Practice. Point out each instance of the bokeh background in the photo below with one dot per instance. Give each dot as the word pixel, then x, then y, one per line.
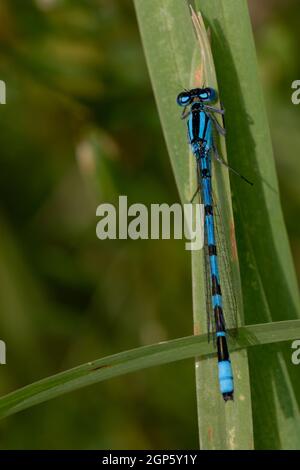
pixel 79 128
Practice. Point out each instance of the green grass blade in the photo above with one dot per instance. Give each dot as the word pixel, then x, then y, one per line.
pixel 169 44
pixel 176 61
pixel 220 427
pixel 137 359
pixel 269 285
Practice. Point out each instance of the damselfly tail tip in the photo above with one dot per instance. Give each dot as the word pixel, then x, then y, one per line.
pixel 228 396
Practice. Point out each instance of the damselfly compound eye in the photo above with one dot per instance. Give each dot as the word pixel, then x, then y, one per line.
pixel 184 98
pixel 211 95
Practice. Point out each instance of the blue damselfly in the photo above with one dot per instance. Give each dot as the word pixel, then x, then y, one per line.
pixel 200 112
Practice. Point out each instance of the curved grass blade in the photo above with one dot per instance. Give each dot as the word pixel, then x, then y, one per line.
pixel 137 359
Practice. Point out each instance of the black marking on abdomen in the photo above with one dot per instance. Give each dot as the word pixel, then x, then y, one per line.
pixel 208 209
pixel 215 286
pixel 205 173
pixel 212 250
pixel 219 318
pixel 222 349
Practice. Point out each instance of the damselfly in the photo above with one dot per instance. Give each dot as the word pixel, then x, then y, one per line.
pixel 200 112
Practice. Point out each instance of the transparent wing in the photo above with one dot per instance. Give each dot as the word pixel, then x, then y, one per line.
pixel 230 307
pixel 207 277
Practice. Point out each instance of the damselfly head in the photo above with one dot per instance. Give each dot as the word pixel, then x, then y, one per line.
pixel 204 95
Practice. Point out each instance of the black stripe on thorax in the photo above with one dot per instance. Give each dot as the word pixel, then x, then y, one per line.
pixel 205 128
pixel 195 125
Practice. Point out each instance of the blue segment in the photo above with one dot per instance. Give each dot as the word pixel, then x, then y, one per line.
pixel 217 300
pixel 210 231
pixel 206 192
pixel 220 333
pixel 190 129
pixel 225 377
pixel 205 129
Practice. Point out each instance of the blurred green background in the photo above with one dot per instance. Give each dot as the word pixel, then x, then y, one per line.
pixel 79 128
